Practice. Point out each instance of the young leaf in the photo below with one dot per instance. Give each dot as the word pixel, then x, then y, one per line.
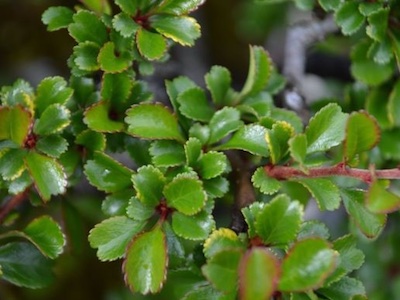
pixel 192 151
pixel 112 236
pixel 116 203
pixel 183 30
pixel 362 134
pixel 326 129
pixel 116 88
pixel 149 183
pixel 97 118
pixel 12 163
pixel 111 60
pixel 153 121
pixel 14 124
pixel 91 140
pixel 53 120
pixel 125 25
pixel 107 174
pixel 264 183
pixel 151 45
pixel 346 288
pixel 250 138
pixel 85 56
pixel 138 210
pixel 224 122
pixel 196 227
pixel 128 6
pixel 88 27
pixel 307 264
pixel 52 90
pixel 250 214
pixel 349 18
pixel 193 104
pixel 216 187
pixel 167 153
pixel 186 194
pixel 98 6
pixel 57 17
pixel 178 7
pixel 312 229
pixel 47 173
pixel 146 261
pixel 379 199
pixel 323 190
pixel 212 164
pixel 298 148
pixel 258 274
pixel 218 82
pixel 220 240
pixel 378 23
pixel 277 139
pixel 279 221
pixel 393 106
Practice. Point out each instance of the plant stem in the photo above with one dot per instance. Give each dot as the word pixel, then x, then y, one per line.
pixel 285 172
pixel 11 204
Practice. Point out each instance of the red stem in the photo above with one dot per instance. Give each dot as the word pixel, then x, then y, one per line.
pixel 284 172
pixel 11 204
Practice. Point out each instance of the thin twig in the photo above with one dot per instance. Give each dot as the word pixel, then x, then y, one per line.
pixel 11 204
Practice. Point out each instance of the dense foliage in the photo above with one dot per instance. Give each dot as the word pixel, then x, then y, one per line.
pixel 210 144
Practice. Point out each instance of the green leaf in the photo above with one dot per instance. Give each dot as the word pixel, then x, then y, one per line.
pixel 179 7
pixel 346 288
pixel 116 204
pixel 306 265
pixel 379 199
pixel 149 183
pixel 146 261
pixel 207 292
pixel 250 138
pixel 112 236
pixel 183 29
pixel 85 56
pixel 88 27
pixel 151 45
pixel 330 4
pixel 14 124
pixel 57 17
pixel 218 82
pixel 97 117
pixel 186 194
pixel 125 25
pixel 377 105
pixel 362 134
pixel 279 221
pixel 113 61
pixel 222 270
pixel 23 265
pixel 325 192
pixel 153 121
pixel 369 223
pixel 52 90
pixel 167 153
pixel 53 145
pixel 128 6
pixel 250 214
pixel 193 104
pixel 12 163
pixel 393 106
pixel 368 8
pixel 138 210
pixel 221 240
pixel 193 151
pixel 378 23
pixel 224 122
pixel 53 120
pixel 281 114
pixel 326 129
pixel 20 184
pixel 258 274
pixel 212 164
pixel 277 140
pixel 298 148
pixel 196 227
pixel 264 183
pixel 200 132
pixel 98 6
pixel 107 174
pixel 305 4
pixel 381 52
pixel 91 140
pixel 366 70
pixel 216 187
pixel 312 229
pixel 260 69
pixel 116 88
pixel 349 18
pixel 47 173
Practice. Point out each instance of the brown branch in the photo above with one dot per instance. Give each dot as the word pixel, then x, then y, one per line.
pixel 11 204
pixel 285 172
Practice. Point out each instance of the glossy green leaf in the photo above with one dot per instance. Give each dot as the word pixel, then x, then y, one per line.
pixel 166 153
pixel 250 138
pixel 281 114
pixel 98 118
pixel 91 140
pixel 149 183
pixel 264 183
pixel 52 90
pixel 258 274
pixel 207 292
pixel 259 71
pixel 196 227
pixel 125 25
pixel 116 88
pixel 279 221
pixel 57 17
pixel 116 203
pixel 381 52
pixel 53 120
pixel 98 6
pixel 128 6
pixel 393 107
pixel 325 192
pixel 193 151
pixel 186 194
pixel 349 18
pixel 326 129
pixel 194 105
pixel 216 187
pixel 218 82
pixel 379 199
pixel 138 210
pixel 306 265
pixel 177 86
pixel 23 265
pixel 14 124
pixel 378 23
pixel 277 139
pixel 183 30
pixel 346 288
pixel 369 223
pixel 366 70
pixel 20 184
pixel 112 236
pixel 298 148
pixel 362 134
pixel 107 174
pixel 146 261
pixel 330 4
pixel 250 214
pixel 153 121
pixel 367 8
pixel 312 229
pixel 12 163
pixel 88 27
pixel 113 61
pixel 200 132
pixel 222 270
pixel 179 7
pixel 53 145
pixel 151 45
pixel 47 173
pixel 85 56
pixel 224 122
pixel 220 240
pixel 212 164
pixel 305 4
